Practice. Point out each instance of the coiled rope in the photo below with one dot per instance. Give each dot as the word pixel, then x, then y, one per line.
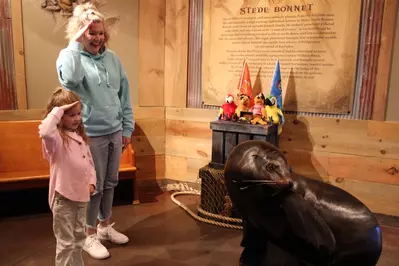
pixel 202 219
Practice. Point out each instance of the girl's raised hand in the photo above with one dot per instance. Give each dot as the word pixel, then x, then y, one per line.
pixel 68 106
pixel 79 34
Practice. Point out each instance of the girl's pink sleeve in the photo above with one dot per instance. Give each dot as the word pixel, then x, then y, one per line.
pixel 93 177
pixel 48 130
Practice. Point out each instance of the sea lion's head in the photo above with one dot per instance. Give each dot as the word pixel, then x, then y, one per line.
pixel 255 171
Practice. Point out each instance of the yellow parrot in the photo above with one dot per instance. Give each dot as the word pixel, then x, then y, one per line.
pixel 274 114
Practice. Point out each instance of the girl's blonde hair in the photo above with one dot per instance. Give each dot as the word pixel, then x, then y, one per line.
pixel 59 98
pixel 81 15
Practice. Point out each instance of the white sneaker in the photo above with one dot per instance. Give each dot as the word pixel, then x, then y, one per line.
pixel 109 233
pixel 94 248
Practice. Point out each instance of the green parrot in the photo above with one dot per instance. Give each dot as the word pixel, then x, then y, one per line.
pixel 273 113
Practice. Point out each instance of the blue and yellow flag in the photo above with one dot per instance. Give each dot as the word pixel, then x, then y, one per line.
pixel 276 86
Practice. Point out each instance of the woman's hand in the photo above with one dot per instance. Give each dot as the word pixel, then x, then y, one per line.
pixel 68 106
pixel 92 189
pixel 78 36
pixel 125 142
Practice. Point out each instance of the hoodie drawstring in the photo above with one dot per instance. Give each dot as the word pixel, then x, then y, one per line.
pixel 98 72
pixel 106 74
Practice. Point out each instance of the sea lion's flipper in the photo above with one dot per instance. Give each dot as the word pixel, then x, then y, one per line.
pixel 306 222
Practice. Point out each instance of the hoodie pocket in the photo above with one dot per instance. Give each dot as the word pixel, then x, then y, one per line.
pixel 120 113
pixel 104 115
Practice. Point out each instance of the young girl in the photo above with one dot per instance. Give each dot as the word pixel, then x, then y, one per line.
pixel 72 174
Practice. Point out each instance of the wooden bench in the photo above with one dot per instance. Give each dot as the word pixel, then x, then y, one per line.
pixel 22 164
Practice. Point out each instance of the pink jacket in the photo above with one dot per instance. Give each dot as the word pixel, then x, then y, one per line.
pixel 71 166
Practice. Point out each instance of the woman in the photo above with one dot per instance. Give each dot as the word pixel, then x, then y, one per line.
pixel 95 73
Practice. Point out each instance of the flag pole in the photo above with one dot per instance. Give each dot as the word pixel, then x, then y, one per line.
pixel 242 76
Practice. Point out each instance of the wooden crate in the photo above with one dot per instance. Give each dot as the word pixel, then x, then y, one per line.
pixel 226 135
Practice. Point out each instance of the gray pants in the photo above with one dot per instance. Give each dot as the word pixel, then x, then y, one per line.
pixel 106 152
pixel 68 226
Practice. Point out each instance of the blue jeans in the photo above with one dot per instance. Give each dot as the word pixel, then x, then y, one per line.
pixel 106 152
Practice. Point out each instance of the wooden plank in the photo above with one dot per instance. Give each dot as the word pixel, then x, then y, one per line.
pixel 363 168
pixel 218 155
pixel 22 115
pixel 306 163
pixel 243 137
pixel 191 114
pixel 229 143
pixel 344 144
pixel 379 197
pixel 42 174
pixel 337 136
pixel 19 53
pixel 188 129
pixel 150 167
pixel 148 112
pixel 149 137
pixel 183 168
pixel 188 147
pixel 383 130
pixel 293 123
pixel 385 59
pixel 139 113
pixel 350 145
pixel 234 127
pixel 149 127
pixel 307 124
pixel 151 53
pixel 148 145
pixel 194 129
pixel 176 48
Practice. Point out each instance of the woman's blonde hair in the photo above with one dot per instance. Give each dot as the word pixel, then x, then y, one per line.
pixel 59 98
pixel 81 15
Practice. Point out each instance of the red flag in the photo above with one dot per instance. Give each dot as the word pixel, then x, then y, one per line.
pixel 245 86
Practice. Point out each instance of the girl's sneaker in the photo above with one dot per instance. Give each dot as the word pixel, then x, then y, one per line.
pixel 94 248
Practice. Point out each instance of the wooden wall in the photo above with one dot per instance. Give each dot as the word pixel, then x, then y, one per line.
pixel 149 143
pixel 149 135
pixel 359 156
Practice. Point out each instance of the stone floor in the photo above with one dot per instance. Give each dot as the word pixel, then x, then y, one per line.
pixel 161 234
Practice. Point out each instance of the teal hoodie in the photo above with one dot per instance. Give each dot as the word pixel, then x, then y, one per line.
pixel 103 87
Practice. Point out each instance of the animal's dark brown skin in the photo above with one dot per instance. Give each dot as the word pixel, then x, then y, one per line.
pixel 317 223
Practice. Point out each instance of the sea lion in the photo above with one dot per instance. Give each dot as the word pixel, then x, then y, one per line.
pixel 311 221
